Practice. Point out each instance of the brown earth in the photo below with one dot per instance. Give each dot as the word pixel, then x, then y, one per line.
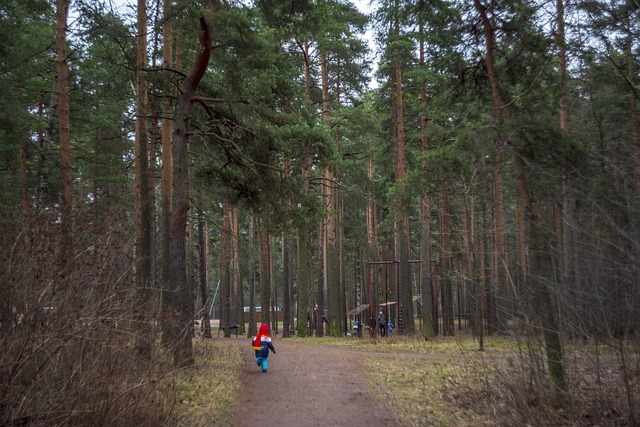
pixel 307 385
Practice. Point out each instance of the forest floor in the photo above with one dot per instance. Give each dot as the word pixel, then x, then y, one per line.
pixel 308 385
pixel 403 381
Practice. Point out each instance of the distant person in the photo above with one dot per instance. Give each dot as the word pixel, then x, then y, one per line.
pixel 356 328
pixel 382 323
pixel 390 327
pixel 262 344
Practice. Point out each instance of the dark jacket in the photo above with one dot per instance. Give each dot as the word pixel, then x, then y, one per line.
pixel 265 346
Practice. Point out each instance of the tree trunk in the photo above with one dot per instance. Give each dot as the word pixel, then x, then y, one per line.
pixel 204 276
pixel 167 167
pixel 405 285
pixel 499 262
pixel 66 205
pixel 332 254
pixel 253 328
pixel 177 279
pixel 236 289
pixel 154 138
pixel 425 204
pixel 569 271
pixel 142 208
pixel 304 280
pixel 287 282
pixel 265 276
pixel 225 273
pixel 304 236
pixel 322 290
pixel 540 261
pixel 539 282
pixel 448 327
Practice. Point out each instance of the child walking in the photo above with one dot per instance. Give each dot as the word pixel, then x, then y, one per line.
pixel 262 344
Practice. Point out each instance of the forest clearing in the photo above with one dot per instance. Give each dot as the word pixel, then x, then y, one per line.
pixel 435 206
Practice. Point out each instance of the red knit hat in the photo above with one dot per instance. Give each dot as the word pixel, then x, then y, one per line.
pixel 264 331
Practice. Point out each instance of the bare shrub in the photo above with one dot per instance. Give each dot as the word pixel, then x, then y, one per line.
pixel 518 392
pixel 71 342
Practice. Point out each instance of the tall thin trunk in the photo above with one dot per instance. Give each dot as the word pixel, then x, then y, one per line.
pixel 322 289
pixel 287 282
pixel 304 280
pixel 66 205
pixel 167 163
pixel 154 138
pixel 448 327
pixel 273 295
pixel 425 204
pixel 287 266
pixel 304 236
pixel 372 240
pixel 142 209
pixel 332 254
pixel 177 280
pixel 253 328
pixel 204 276
pixel 568 197
pixel 529 204
pixel 143 233
pixel 265 274
pixel 405 285
pixel 236 290
pixel 372 252
pixel 24 192
pixel 225 273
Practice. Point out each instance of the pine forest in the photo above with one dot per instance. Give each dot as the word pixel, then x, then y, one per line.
pixel 175 170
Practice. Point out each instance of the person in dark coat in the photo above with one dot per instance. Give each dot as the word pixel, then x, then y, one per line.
pixel 261 345
pixel 382 323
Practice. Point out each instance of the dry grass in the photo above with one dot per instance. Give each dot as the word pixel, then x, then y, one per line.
pixel 462 345
pixel 207 391
pixel 448 382
pixel 430 392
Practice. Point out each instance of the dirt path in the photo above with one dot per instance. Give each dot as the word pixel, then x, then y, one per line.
pixel 307 385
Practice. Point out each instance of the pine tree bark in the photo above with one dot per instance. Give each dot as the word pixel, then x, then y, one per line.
pixel 568 195
pixel 142 208
pixel 448 327
pixel 499 260
pixel 225 273
pixel 304 236
pixel 167 166
pixel 236 308
pixel 425 203
pixel 66 205
pixel 204 274
pixel 330 241
pixel 253 327
pixel 405 285
pixel 265 274
pixel 177 279
pixel 288 284
pixel 528 203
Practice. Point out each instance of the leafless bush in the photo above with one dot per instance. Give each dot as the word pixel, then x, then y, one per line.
pixel 600 386
pixel 70 341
